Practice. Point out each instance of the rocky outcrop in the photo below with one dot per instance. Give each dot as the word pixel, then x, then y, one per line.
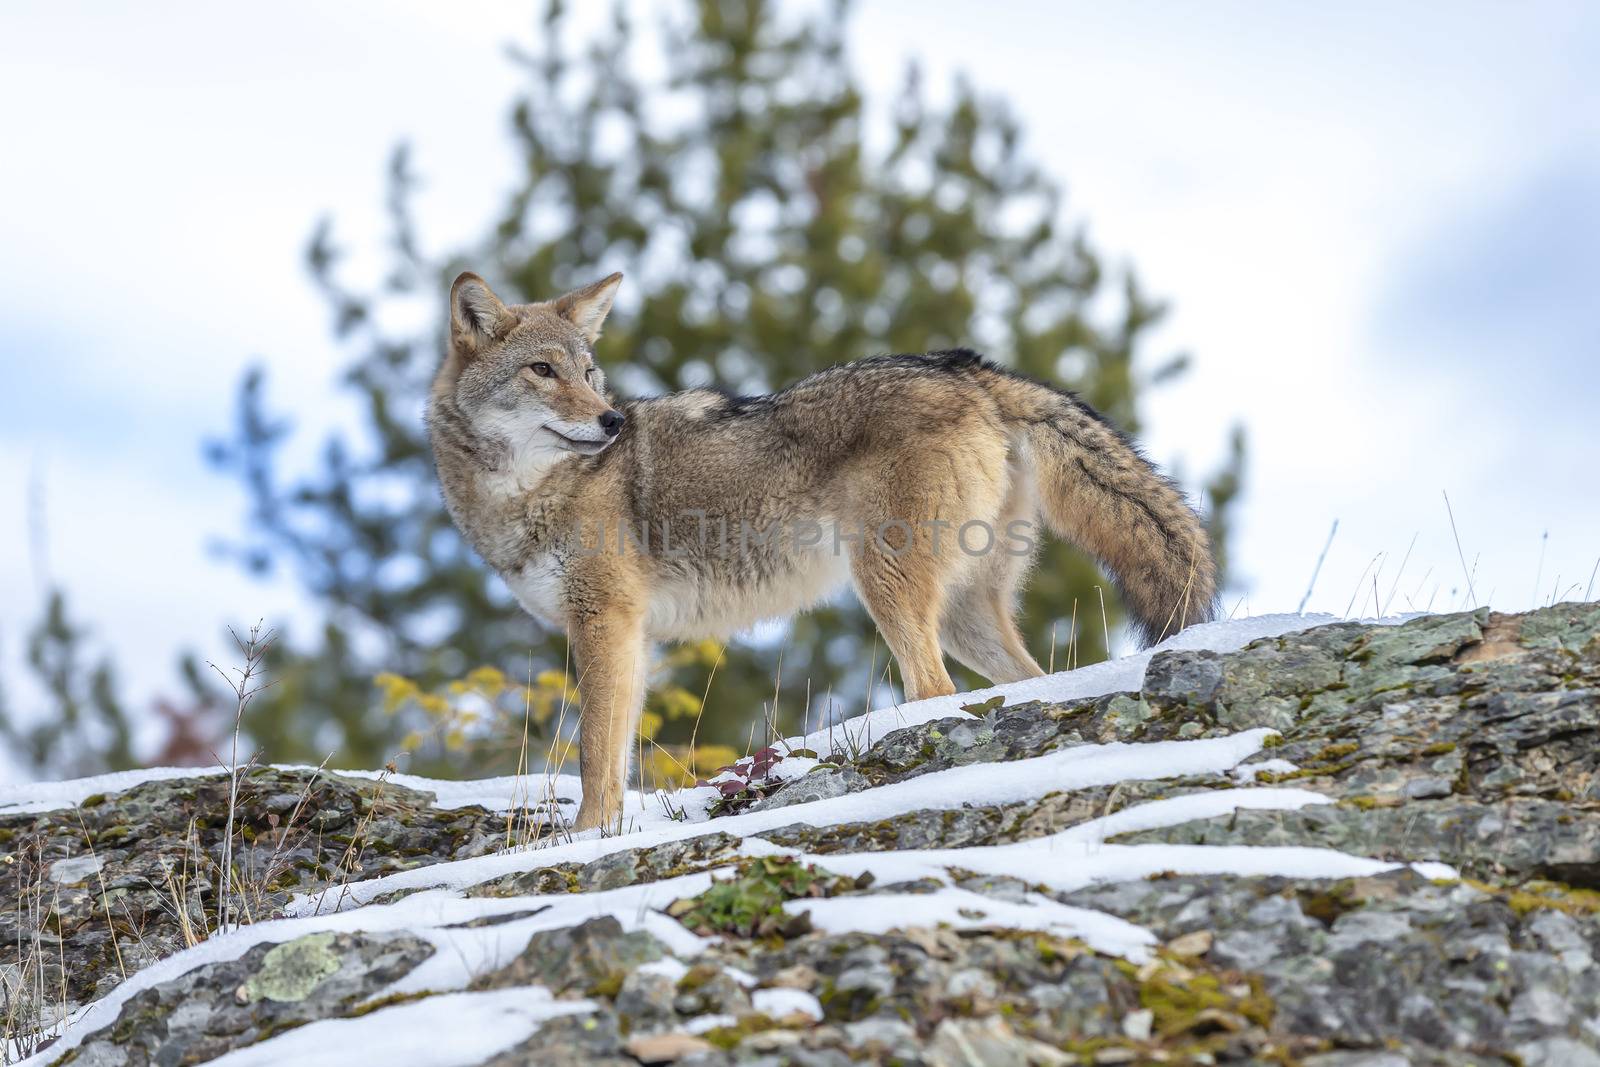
pixel 98 891
pixel 1467 740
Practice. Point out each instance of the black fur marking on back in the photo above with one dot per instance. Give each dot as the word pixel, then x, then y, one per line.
pixel 736 406
pixel 952 361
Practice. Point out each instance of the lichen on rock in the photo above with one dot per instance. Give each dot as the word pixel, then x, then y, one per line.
pixel 1471 740
pixel 292 971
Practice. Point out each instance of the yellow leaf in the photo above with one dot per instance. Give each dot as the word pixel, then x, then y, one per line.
pixel 412 741
pixel 489 681
pixel 649 724
pixel 678 703
pixel 707 758
pixel 396 690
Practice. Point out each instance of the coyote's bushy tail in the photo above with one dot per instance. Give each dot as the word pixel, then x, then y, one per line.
pixel 1099 493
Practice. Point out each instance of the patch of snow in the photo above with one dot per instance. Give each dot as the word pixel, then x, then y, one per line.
pixel 1174 810
pixel 506 793
pixel 1079 767
pixel 701 1023
pixel 669 967
pixel 510 792
pixel 756 847
pixel 778 1003
pixel 1138 1025
pixel 1246 774
pixel 47 796
pixel 961 909
pixel 448 1030
pixel 465 952
pixel 741 978
pixel 1097 679
pixel 792 767
pixel 1063 863
pixel 462 952
pixel 497 794
pixel 437 909
pixel 1436 872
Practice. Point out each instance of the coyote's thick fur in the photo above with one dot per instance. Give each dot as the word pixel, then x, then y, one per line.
pixel 913 479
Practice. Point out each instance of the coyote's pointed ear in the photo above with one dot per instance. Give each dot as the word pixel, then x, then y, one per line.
pixel 476 315
pixel 586 308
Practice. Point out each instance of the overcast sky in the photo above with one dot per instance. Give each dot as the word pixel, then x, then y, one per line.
pixel 1379 225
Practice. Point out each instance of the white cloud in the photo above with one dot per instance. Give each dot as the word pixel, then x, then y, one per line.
pixel 1277 172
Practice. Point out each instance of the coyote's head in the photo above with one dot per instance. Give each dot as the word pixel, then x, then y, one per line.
pixel 523 376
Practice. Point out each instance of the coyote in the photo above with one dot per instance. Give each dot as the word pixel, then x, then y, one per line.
pixel 597 514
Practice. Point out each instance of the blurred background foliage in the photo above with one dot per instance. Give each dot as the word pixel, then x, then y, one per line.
pixel 87 728
pixel 770 221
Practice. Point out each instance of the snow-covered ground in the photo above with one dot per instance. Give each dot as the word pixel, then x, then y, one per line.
pixel 507 793
pixel 436 906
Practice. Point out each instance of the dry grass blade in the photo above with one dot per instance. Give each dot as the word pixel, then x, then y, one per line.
pixel 105 903
pixel 1395 585
pixel 1072 638
pixel 274 865
pixel 1456 534
pixel 1179 612
pixel 23 1003
pixel 1361 583
pixel 1321 558
pixel 1105 622
pixel 350 861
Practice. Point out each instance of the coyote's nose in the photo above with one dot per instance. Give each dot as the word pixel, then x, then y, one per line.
pixel 611 423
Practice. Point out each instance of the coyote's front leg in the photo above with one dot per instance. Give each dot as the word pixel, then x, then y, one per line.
pixel 610 651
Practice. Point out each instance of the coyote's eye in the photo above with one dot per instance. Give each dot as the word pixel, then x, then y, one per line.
pixel 543 370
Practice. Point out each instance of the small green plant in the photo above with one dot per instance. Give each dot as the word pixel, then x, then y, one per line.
pixel 750 903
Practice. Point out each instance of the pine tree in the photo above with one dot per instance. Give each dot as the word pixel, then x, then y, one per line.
pixel 83 726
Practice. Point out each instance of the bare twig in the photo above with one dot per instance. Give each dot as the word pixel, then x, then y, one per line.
pixel 245 689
